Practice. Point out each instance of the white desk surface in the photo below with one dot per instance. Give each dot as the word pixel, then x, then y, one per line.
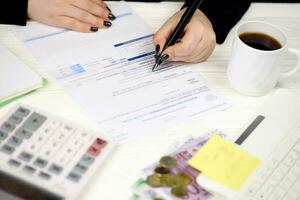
pixel 113 181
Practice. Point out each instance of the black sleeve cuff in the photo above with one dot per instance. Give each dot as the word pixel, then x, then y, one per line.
pixel 14 12
pixel 222 14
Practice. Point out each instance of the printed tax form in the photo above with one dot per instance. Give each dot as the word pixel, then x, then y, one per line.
pixel 109 74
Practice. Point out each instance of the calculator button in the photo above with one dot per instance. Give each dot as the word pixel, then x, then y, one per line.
pixel 62 136
pixel 62 159
pixel 76 144
pixel 55 169
pixel 34 121
pixel 15 119
pixel 80 169
pixel 22 112
pixel 25 156
pixel 40 139
pixel 55 144
pixel 14 163
pixel 39 162
pixel 14 141
pixel 83 136
pixel 44 175
pixel 29 169
pixel 86 160
pixel 47 153
pixel 46 131
pixel 99 143
pixel 8 127
pixel 23 133
pixel 7 149
pixel 3 135
pixel 92 151
pixel 74 177
pixel 53 124
pixel 68 128
pixel 32 147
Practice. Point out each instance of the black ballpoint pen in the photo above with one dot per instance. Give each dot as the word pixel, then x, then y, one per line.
pixel 177 33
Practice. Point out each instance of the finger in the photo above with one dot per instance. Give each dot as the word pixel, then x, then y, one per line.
pixel 73 24
pixel 102 4
pixel 204 49
pixel 200 47
pixel 92 8
pixel 202 53
pixel 87 17
pixel 99 2
pixel 166 29
pixel 163 34
pixel 194 55
pixel 202 56
pixel 187 45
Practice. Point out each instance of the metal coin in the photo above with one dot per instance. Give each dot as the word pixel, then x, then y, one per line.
pixel 181 179
pixel 180 191
pixel 168 180
pixel 162 170
pixel 168 161
pixel 154 180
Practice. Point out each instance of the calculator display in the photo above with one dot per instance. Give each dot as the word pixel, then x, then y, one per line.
pixel 20 189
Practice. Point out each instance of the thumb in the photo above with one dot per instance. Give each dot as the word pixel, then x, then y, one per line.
pixel 161 36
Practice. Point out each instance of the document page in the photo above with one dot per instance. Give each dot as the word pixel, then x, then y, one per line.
pixel 109 74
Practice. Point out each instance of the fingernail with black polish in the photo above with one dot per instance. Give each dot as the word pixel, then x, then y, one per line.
pixel 94 29
pixel 111 16
pixel 108 8
pixel 157 48
pixel 107 23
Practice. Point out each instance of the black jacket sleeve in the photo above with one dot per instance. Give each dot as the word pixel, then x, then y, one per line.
pixel 223 14
pixel 13 12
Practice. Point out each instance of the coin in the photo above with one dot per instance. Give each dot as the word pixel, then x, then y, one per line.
pixel 168 161
pixel 162 170
pixel 154 180
pixel 181 179
pixel 168 180
pixel 179 191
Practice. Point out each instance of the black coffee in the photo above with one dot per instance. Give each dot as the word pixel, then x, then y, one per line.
pixel 260 41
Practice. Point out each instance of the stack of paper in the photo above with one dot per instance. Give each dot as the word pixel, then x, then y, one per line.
pixel 16 78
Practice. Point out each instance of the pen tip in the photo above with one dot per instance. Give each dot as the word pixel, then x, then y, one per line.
pixel 154 67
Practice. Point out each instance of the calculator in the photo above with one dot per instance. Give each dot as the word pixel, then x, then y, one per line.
pixel 44 157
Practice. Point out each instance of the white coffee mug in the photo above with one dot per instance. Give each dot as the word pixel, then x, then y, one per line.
pixel 255 72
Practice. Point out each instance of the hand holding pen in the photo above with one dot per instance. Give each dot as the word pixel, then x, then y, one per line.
pixel 196 42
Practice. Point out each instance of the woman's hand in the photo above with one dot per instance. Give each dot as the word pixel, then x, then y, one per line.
pixel 196 45
pixel 78 15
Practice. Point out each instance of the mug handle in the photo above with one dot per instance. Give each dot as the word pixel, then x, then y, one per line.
pixel 291 72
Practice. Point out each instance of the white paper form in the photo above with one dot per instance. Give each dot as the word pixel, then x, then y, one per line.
pixel 109 74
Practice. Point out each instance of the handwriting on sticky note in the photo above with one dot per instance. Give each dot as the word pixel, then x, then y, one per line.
pixel 224 162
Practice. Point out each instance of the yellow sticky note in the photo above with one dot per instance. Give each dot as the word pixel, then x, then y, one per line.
pixel 224 162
